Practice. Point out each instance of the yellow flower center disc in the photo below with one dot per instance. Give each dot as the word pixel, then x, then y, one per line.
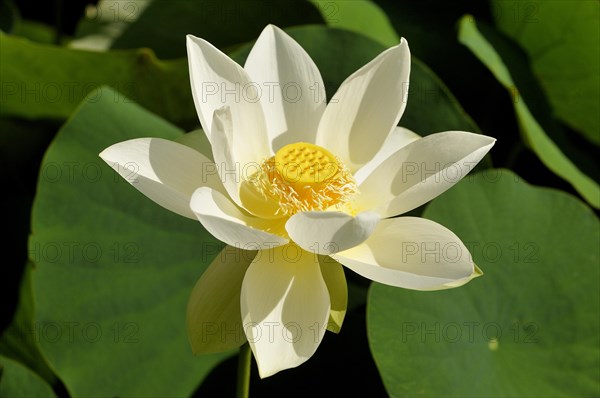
pixel 304 163
pixel 300 177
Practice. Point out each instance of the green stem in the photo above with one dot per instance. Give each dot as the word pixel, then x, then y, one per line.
pixel 243 374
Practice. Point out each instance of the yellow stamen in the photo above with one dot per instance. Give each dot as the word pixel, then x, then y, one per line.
pixel 304 177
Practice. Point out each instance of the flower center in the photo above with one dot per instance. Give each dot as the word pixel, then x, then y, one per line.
pixel 305 164
pixel 304 177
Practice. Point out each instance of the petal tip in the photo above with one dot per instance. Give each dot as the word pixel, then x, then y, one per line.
pixel 108 152
pixel 191 39
pixel 402 46
pixel 270 31
pixel 102 154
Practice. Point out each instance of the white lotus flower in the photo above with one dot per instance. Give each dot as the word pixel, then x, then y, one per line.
pixel 302 187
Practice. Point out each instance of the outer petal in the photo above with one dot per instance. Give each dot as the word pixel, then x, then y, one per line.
pixel 227 223
pixel 163 170
pixel 477 272
pixel 293 93
pixel 421 171
pixel 285 308
pixel 399 138
pixel 410 252
pixel 366 108
pixel 333 275
pixel 218 81
pixel 214 321
pixel 326 232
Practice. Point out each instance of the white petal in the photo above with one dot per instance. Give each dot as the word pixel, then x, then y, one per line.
pixel 335 279
pixel 410 252
pixel 326 232
pixel 399 138
pixel 366 108
pixel 163 170
pixel 285 308
pixel 293 93
pixel 213 317
pixel 218 81
pixel 227 223
pixel 236 169
pixel 224 153
pixel 477 272
pixel 421 171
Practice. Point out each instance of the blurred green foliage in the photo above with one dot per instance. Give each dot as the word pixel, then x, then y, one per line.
pixel 527 327
pixel 77 78
pixel 549 153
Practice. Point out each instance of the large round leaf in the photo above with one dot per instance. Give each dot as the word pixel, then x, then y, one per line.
pixel 17 381
pixel 561 38
pixel 19 341
pixel 528 327
pixel 361 16
pixel 113 269
pixel 48 81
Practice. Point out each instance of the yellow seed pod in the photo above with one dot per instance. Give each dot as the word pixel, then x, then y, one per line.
pixel 305 163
